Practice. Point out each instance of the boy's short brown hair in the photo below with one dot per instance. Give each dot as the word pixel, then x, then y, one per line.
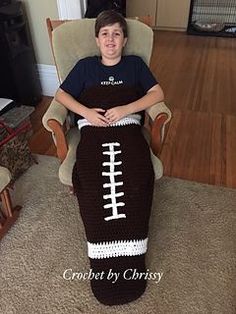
pixel 110 17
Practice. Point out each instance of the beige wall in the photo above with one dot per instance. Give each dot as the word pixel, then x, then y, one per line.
pixel 172 14
pixel 141 8
pixel 37 11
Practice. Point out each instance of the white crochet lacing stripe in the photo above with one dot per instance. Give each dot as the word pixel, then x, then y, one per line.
pixel 115 215
pixel 108 185
pixel 117 248
pixel 116 163
pixel 112 153
pixel 108 174
pixel 130 119
pixel 105 197
pixel 111 173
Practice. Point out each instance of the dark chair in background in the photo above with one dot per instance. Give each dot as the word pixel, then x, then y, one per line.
pixel 94 7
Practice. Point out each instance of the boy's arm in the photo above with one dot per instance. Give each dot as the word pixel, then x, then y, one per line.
pixel 93 115
pixel 153 95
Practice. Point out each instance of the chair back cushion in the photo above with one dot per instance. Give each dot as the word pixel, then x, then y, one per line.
pixel 75 40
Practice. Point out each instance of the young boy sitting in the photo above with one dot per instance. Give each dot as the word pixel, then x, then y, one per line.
pixel 113 175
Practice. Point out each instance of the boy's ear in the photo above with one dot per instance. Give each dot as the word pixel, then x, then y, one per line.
pixel 125 41
pixel 97 41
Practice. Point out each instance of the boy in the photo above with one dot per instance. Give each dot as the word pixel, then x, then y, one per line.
pixel 113 174
pixel 111 37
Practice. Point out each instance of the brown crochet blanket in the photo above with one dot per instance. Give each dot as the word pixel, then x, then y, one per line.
pixel 113 180
pixel 107 97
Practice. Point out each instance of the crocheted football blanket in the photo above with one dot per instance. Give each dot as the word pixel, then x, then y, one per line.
pixel 113 180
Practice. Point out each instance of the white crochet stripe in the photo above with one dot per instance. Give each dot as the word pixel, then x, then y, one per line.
pixel 108 174
pixel 130 119
pixel 111 195
pixel 115 163
pixel 117 248
pixel 112 143
pixel 108 185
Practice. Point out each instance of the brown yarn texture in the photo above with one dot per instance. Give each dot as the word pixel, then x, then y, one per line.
pixel 138 179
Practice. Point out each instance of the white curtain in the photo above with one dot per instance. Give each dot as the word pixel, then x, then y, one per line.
pixel 71 9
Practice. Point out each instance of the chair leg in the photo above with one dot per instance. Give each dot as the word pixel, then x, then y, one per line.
pixel 9 214
pixel 6 203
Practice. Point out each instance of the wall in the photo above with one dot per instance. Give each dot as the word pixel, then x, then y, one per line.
pixel 141 8
pixel 37 11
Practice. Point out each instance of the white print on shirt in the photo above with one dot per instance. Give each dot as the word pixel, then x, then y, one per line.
pixel 111 81
pixel 113 181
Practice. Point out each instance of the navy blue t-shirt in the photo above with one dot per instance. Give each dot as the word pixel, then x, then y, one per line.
pixel 89 72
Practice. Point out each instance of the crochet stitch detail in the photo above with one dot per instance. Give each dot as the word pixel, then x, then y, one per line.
pixel 130 119
pixel 117 248
pixel 111 174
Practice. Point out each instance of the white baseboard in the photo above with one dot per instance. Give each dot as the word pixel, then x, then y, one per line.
pixel 48 79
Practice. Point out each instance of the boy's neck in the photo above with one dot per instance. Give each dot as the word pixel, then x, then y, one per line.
pixel 110 62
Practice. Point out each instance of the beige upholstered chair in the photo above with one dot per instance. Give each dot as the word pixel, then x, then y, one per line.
pixel 74 40
pixel 8 214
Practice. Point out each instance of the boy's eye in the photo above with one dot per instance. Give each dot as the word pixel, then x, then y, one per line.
pixel 104 34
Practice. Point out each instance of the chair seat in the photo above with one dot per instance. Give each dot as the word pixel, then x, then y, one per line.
pixel 66 167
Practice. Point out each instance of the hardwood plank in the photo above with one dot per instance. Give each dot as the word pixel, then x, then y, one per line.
pixel 41 141
pixel 196 72
pixel 201 146
pixel 41 108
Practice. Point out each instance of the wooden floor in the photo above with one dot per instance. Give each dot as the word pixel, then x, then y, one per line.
pixel 41 141
pixel 198 76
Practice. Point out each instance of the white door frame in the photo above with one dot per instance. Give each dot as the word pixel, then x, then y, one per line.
pixel 71 9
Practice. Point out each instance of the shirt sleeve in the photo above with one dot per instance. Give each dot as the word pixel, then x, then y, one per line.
pixel 74 82
pixel 146 79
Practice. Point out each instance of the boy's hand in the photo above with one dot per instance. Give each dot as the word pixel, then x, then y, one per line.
pixel 95 117
pixel 115 114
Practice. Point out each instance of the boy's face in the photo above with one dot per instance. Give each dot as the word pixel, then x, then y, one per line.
pixel 111 41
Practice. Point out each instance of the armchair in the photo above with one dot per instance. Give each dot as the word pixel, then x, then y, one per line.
pixel 74 40
pixel 8 214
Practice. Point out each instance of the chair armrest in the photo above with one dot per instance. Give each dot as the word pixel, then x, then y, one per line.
pixel 159 115
pixel 54 120
pixel 56 111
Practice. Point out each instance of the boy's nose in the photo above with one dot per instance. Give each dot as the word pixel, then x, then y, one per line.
pixel 110 37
